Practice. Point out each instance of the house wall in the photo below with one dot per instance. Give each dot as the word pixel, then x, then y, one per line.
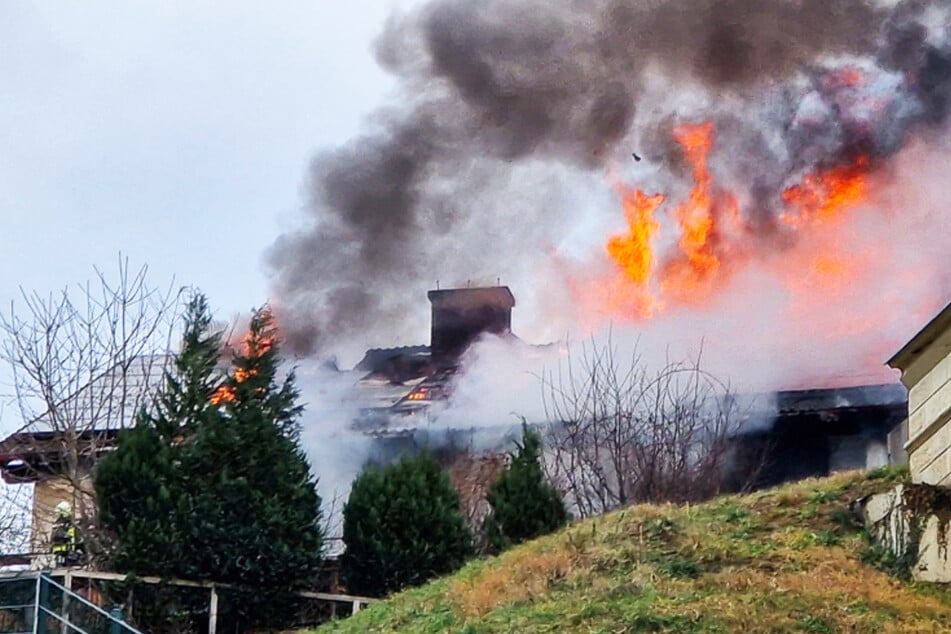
pixel 928 379
pixel 47 493
pixel 897 439
pixel 856 452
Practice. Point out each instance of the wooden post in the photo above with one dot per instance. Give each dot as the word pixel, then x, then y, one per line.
pixel 356 608
pixel 213 611
pixel 68 584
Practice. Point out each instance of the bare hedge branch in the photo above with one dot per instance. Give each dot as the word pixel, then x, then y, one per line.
pixel 623 434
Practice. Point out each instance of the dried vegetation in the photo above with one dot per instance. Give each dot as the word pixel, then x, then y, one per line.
pixel 786 560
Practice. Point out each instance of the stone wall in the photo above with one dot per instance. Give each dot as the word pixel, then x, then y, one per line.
pixel 913 522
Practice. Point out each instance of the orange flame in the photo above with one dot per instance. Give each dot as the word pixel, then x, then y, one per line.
pixel 633 251
pixel 224 394
pixel 848 76
pixel 823 266
pixel 824 195
pixel 685 276
pixel 692 274
pixel 252 347
pixel 713 235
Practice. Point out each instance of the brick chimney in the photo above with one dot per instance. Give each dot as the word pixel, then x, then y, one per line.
pixel 460 315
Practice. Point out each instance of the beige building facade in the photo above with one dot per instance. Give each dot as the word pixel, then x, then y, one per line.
pixel 925 364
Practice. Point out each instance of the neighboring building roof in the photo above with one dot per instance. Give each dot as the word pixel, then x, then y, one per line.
pixel 396 365
pixel 111 400
pixel 925 337
pixel 28 456
pixel 814 400
pixel 375 360
pixel 95 413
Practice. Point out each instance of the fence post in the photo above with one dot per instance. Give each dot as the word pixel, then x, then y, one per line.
pixel 115 623
pixel 68 584
pixel 213 611
pixel 42 598
pixel 36 604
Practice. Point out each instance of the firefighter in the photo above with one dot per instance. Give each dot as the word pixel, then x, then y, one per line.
pixel 67 546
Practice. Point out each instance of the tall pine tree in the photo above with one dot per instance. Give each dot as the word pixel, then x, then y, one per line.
pixel 260 490
pixel 140 486
pixel 211 484
pixel 523 504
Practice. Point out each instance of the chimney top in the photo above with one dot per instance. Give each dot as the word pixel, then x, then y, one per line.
pixel 470 297
pixel 460 315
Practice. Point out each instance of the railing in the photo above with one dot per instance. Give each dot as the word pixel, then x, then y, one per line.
pixel 355 603
pixel 33 603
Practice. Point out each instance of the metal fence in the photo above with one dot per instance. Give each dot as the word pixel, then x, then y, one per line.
pixel 35 603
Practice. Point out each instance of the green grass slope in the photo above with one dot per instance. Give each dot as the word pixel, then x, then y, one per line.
pixel 786 560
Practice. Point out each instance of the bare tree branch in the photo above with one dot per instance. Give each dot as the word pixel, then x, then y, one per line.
pixel 83 362
pixel 622 434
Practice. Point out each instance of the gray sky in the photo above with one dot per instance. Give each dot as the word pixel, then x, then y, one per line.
pixel 176 132
pixel 180 134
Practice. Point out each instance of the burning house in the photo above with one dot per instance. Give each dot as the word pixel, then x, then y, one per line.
pixel 816 432
pixel 787 435
pixel 407 385
pixel 394 396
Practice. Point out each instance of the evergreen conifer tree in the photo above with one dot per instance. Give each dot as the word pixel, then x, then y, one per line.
pixel 140 486
pixel 523 505
pixel 402 526
pixel 211 484
pixel 267 529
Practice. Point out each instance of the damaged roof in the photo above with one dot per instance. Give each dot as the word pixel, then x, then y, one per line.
pixel 815 400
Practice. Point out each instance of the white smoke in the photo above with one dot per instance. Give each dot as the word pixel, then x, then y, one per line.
pixel 499 385
pixel 336 451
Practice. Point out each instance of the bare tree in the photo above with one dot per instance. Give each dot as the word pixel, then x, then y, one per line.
pixel 622 434
pixel 81 364
pixel 15 503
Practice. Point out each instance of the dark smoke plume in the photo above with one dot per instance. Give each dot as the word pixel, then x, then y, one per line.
pixel 445 185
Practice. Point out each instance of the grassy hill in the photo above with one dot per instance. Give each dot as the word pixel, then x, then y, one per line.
pixel 785 560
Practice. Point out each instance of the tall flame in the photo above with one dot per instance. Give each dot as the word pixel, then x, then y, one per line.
pixel 692 275
pixel 713 234
pixel 633 251
pixel 695 215
pixel 252 347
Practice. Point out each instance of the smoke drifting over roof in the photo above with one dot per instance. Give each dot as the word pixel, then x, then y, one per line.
pixel 510 111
